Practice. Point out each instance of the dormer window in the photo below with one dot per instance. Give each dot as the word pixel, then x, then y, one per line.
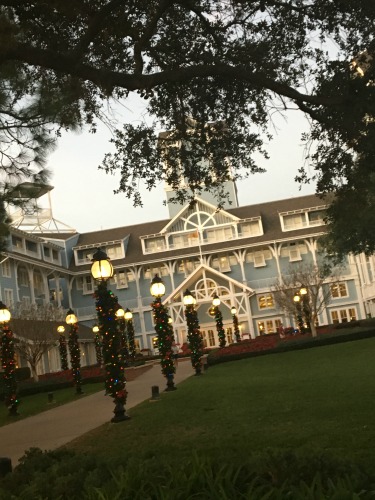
pixel 316 217
pixel 154 245
pixel 250 228
pixel 294 221
pixel 114 252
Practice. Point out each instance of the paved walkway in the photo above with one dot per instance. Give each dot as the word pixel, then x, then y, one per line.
pixel 60 425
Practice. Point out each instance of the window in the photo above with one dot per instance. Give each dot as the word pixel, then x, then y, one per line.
pixel 8 297
pixel 343 315
pixel 269 326
pixel 47 252
pixel 316 218
pixel 250 229
pixel 339 290
pixel 23 277
pixel 121 279
pixel 229 332
pixel 85 256
pixel 211 338
pixel 266 301
pixel 6 271
pixel 219 234
pixel 55 256
pixel 31 246
pixel 221 263
pixel 114 252
pixel 88 285
pixel 294 253
pixel 150 272
pixel 294 221
pixel 155 245
pixel 259 260
pixel 187 266
pixel 17 242
pixel 53 295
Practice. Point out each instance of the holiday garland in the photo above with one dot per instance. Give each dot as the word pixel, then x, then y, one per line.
pixel 219 327
pixel 63 352
pixel 75 357
pixel 165 335
pixel 9 364
pixel 131 340
pixel 194 338
pixel 98 349
pixel 237 332
pixel 115 383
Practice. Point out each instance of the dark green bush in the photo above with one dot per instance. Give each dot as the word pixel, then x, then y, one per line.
pixel 23 373
pixel 63 475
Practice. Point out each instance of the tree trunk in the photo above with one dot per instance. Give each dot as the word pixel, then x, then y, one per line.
pixel 313 328
pixel 34 373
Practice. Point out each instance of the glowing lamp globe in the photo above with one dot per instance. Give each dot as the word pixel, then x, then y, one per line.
pixel 4 313
pixel 157 287
pixel 120 313
pixel 71 318
pixel 233 311
pixel 296 298
pixel 303 291
pixel 61 329
pixel 188 298
pixel 128 314
pixel 215 301
pixel 101 268
pixel 95 329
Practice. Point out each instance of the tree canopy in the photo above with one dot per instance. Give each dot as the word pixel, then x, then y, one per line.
pixel 213 74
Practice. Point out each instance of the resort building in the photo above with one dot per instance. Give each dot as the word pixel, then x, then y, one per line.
pixel 238 252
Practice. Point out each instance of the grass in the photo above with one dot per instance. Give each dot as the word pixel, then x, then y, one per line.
pixel 32 405
pixel 309 401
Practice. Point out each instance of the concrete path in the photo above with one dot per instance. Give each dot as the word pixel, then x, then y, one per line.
pixel 60 425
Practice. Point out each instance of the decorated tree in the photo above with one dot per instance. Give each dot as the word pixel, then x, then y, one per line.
pixel 74 350
pixel 98 345
pixel 9 364
pixel 130 335
pixel 164 332
pixel 213 74
pixel 236 329
pixel 62 348
pixel 115 383
pixel 219 321
pixel 194 336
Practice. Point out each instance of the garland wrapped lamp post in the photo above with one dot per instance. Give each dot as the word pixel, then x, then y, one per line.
pixel 164 332
pixel 120 316
pixel 8 361
pixel 297 301
pixel 75 353
pixel 236 329
pixel 194 336
pixel 130 334
pixel 219 321
pixel 98 345
pixel 62 348
pixel 106 306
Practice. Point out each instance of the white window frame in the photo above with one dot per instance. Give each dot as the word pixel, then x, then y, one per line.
pixel 268 325
pixel 342 290
pixel 294 226
pixel 259 259
pixel 23 273
pixel 294 253
pixel 8 297
pixel 247 230
pixel 268 300
pixel 343 315
pixel 6 269
pixel 88 284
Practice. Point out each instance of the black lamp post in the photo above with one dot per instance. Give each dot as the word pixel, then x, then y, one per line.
pixel 164 331
pixel 194 336
pixel 106 306
pixel 8 361
pixel 62 348
pixel 297 300
pixel 219 321
pixel 98 345
pixel 236 329
pixel 75 353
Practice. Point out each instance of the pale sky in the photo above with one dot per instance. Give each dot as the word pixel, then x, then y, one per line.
pixel 83 195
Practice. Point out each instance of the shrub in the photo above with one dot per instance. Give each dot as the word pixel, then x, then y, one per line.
pixel 23 373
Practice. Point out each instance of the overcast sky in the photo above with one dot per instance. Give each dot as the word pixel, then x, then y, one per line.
pixel 83 195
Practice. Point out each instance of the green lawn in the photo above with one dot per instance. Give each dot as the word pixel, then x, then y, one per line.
pixel 320 399
pixel 31 405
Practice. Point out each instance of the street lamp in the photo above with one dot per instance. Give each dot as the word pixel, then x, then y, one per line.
pixel 106 306
pixel 98 344
pixel 194 336
pixel 8 361
pixel 62 348
pixel 120 315
pixel 236 329
pixel 219 320
pixel 75 353
pixel 164 331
